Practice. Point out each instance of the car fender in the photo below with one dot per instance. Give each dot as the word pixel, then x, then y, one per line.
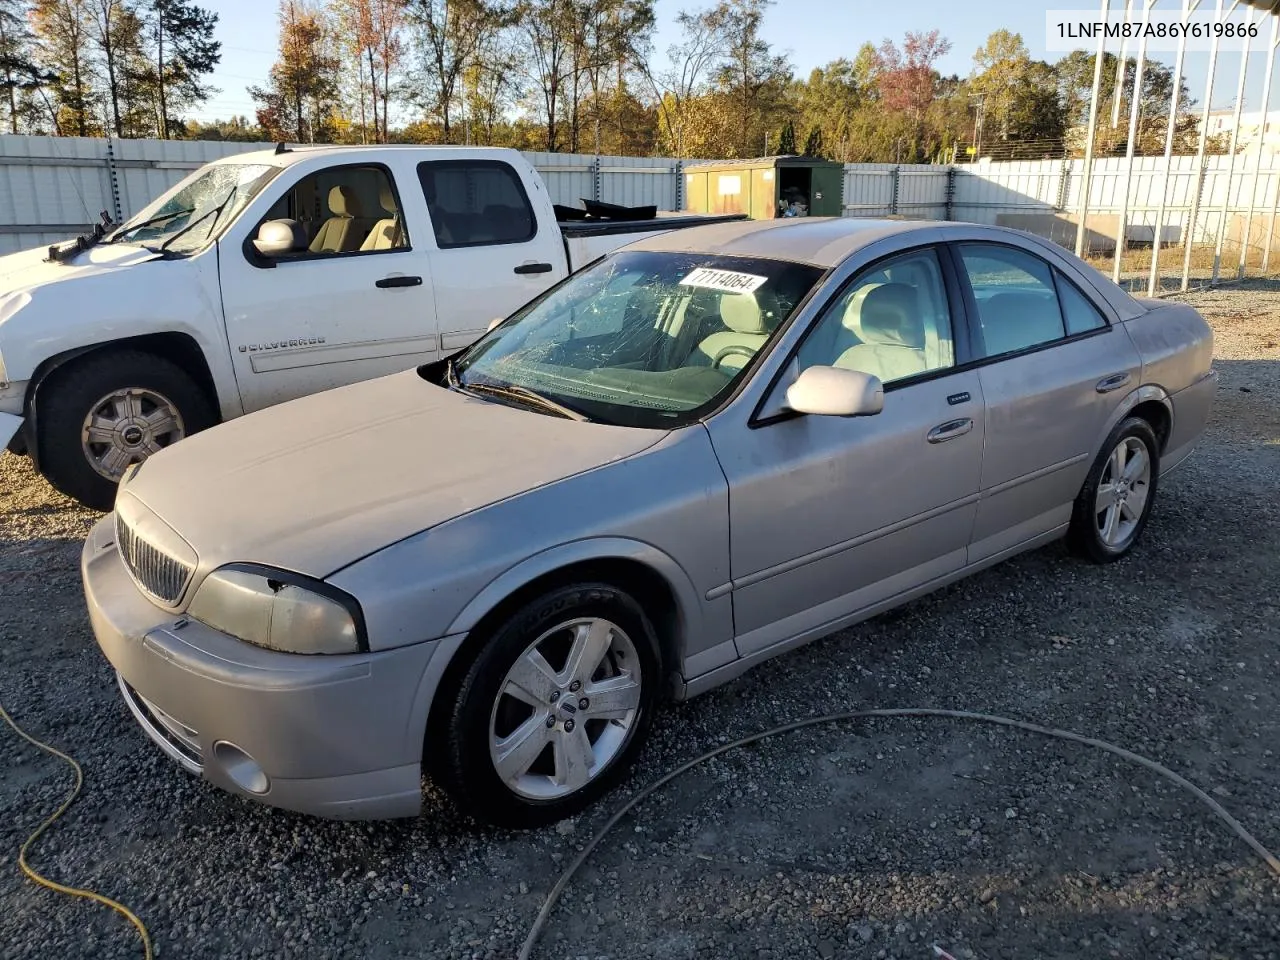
pixel 688 609
pixel 1148 391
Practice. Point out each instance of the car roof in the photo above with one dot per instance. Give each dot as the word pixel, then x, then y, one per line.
pixel 822 241
pixel 827 242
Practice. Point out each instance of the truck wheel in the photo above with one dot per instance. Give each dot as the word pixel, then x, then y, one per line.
pixel 98 415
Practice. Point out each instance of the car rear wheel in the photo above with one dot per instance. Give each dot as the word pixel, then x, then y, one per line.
pixel 551 709
pixel 1116 500
pixel 98 415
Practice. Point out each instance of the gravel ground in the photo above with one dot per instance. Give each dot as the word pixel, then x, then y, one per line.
pixel 864 841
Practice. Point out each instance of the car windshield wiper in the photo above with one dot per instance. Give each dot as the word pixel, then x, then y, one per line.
pixel 150 222
pixel 214 212
pixel 524 395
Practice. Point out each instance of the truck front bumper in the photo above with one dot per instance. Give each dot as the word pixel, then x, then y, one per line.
pixel 333 736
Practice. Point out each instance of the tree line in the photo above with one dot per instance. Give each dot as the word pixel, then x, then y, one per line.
pixel 580 76
pixel 124 68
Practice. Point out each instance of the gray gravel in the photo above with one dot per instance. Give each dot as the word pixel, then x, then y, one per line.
pixel 869 841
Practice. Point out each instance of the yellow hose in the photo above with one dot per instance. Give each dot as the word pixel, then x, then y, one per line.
pixel 43 881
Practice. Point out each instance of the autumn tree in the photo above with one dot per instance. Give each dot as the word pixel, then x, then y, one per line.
pixel 449 37
pixel 299 101
pixel 677 84
pixel 751 74
pixel 62 29
pixel 1020 98
pixel 20 72
pixel 908 81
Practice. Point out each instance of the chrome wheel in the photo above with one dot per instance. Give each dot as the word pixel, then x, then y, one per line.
pixel 565 709
pixel 127 426
pixel 1123 491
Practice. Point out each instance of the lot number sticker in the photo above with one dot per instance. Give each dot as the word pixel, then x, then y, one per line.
pixel 726 280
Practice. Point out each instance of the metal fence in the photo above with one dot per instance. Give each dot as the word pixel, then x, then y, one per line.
pixel 1217 220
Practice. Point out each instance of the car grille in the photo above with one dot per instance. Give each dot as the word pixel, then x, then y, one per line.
pixel 154 571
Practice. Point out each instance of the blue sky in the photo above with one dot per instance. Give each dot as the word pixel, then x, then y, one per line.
pixel 812 32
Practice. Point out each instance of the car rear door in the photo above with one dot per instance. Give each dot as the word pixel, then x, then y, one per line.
pixel 1053 371
pixel 830 515
pixel 493 251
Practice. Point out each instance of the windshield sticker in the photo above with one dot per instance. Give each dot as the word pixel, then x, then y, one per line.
pixel 726 280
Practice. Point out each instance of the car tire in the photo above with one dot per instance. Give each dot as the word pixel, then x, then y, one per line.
pixel 1106 523
pixel 517 747
pixel 149 402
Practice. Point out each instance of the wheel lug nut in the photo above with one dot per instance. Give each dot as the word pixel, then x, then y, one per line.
pixel 584 703
pixel 568 726
pixel 551 721
pixel 555 695
pixel 575 686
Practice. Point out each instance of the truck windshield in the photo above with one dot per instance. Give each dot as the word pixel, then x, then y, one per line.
pixel 640 339
pixel 194 202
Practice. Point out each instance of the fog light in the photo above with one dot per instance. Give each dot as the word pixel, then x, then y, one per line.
pixel 240 767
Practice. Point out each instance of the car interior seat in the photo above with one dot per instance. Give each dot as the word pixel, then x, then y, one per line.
pixel 340 233
pixel 885 317
pixel 387 233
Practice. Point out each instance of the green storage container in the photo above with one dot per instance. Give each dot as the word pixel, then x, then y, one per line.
pixel 766 187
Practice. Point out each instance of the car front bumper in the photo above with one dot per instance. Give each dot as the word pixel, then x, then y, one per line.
pixel 334 736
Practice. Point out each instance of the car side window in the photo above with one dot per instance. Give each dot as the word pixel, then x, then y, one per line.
pixel 1079 312
pixel 1017 305
pixel 476 203
pixel 892 322
pixel 344 210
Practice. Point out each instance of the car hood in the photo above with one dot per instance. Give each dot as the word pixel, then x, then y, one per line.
pixel 317 483
pixel 30 268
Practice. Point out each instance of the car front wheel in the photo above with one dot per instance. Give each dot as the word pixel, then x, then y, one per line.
pixel 552 708
pixel 1116 500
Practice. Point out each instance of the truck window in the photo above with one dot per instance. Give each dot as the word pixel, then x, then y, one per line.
pixel 345 210
pixel 476 203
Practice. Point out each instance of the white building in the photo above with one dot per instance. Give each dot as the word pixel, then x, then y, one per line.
pixel 1252 122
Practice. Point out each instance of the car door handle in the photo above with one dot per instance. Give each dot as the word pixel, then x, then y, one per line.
pixel 1113 382
pixel 398 282
pixel 533 268
pixel 950 430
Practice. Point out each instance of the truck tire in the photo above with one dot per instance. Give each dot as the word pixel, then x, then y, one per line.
pixel 98 414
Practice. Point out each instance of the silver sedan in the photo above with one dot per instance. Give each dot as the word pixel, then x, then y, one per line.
pixel 705 450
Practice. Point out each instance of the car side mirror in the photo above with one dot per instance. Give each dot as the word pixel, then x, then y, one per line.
pixel 279 238
pixel 836 392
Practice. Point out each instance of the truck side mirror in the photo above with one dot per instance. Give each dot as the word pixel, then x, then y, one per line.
pixel 279 238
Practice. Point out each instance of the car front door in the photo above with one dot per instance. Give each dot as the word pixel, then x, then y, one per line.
pixel 352 300
pixel 830 515
pixel 492 254
pixel 1053 372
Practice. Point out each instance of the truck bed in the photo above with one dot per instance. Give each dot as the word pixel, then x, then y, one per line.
pixel 586 241
pixel 663 221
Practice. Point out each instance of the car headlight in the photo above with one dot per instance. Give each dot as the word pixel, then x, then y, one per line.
pixel 279 610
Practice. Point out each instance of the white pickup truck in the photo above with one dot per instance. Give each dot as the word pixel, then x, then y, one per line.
pixel 266 276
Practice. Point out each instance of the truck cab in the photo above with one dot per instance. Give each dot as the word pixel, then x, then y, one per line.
pixel 263 277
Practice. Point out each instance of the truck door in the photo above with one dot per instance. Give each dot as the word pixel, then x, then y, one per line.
pixel 352 300
pixel 492 252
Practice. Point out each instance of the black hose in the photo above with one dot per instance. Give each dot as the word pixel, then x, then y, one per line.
pixel 540 922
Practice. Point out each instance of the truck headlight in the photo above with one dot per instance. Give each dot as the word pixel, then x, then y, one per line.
pixel 279 610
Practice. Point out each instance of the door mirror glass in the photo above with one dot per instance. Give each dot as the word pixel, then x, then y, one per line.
pixel 836 392
pixel 279 238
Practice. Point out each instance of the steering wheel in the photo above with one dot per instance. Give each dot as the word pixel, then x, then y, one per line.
pixel 736 349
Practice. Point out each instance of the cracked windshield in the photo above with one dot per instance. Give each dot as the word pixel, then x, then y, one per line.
pixel 197 210
pixel 642 339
